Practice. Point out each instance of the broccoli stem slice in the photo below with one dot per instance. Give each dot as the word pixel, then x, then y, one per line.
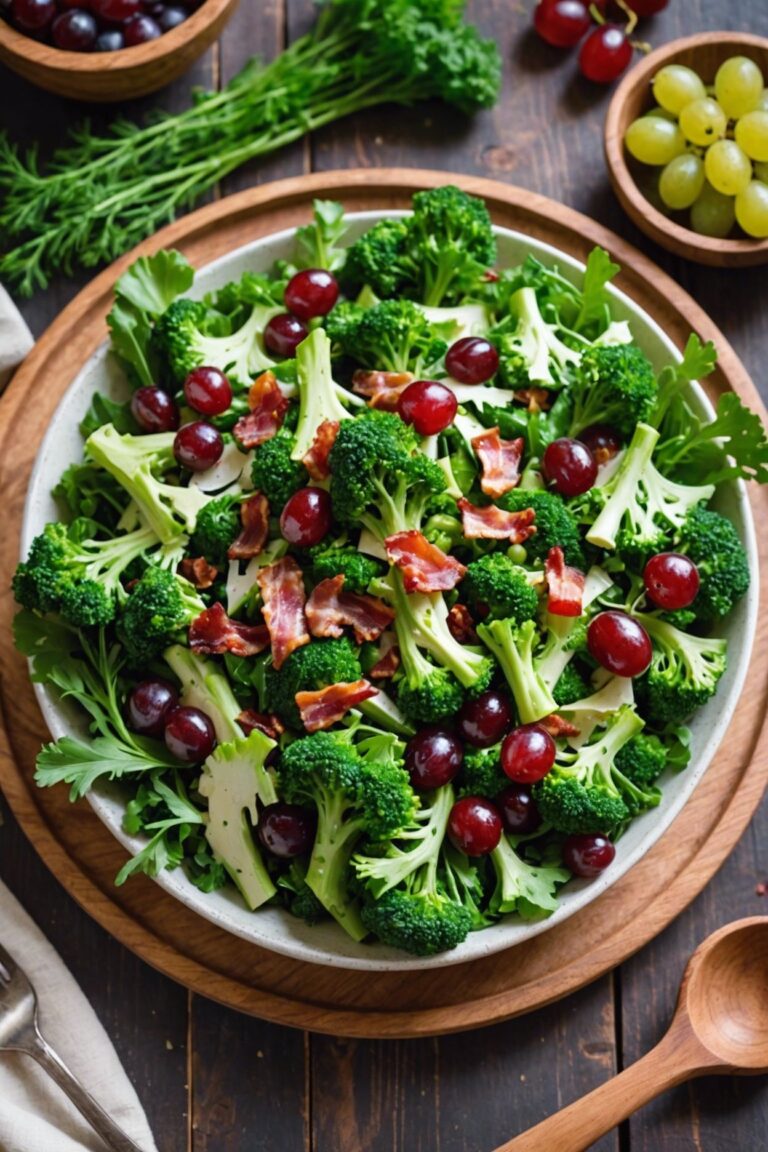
pixel 513 648
pixel 423 841
pixel 625 486
pixel 537 339
pixel 319 394
pixel 205 686
pixel 521 887
pixel 329 864
pixel 421 622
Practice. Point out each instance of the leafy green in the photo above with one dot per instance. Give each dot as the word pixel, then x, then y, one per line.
pixel 142 294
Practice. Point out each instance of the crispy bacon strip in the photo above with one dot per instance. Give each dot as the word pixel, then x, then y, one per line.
pixel 383 389
pixel 535 399
pixel 500 461
pixel 425 567
pixel 492 523
pixel 329 609
pixel 198 571
pixel 389 659
pixel 316 459
pixel 327 706
pixel 558 726
pixel 267 411
pixel 213 633
pixel 461 625
pixel 266 722
pixel 282 590
pixel 565 584
pixel 254 517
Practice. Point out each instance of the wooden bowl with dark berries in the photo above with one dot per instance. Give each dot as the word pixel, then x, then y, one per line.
pixel 107 50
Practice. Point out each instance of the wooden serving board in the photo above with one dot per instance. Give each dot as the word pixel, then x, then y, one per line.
pixel 85 857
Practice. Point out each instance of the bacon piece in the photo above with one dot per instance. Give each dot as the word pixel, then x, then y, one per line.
pixel 213 633
pixel 383 389
pixel 267 411
pixel 558 726
pixel 282 590
pixel 492 523
pixel 316 459
pixel 254 517
pixel 389 659
pixel 425 567
pixel 198 571
pixel 461 625
pixel 266 722
pixel 566 585
pixel 330 608
pixel 500 461
pixel 535 399
pixel 327 706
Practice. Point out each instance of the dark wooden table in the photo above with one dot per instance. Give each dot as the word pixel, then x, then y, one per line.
pixel 215 1081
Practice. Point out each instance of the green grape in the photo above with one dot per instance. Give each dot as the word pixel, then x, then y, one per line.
pixel 752 134
pixel 674 86
pixel 752 209
pixel 761 172
pixel 738 86
pixel 713 214
pixel 703 121
pixel 763 101
pixel 728 169
pixel 662 113
pixel 681 181
pixel 652 140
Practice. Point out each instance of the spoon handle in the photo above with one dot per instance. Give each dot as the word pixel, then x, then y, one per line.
pixel 578 1126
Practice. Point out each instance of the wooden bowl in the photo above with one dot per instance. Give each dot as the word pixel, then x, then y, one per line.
pixel 704 53
pixel 111 76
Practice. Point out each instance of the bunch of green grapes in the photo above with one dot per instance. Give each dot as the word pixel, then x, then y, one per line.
pixel 711 145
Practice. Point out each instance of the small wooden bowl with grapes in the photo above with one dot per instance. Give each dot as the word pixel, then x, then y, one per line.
pixel 686 142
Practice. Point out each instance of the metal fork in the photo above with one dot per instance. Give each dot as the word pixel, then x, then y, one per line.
pixel 19 1032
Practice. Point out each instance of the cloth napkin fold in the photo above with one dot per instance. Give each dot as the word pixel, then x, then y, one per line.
pixel 35 1116
pixel 15 338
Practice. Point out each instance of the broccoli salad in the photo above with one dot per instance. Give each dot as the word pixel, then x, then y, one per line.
pixel 388 594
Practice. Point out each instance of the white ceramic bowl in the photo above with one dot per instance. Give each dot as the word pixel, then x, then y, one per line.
pixel 326 943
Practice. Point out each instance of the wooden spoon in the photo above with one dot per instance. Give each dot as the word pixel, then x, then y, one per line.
pixel 720 1027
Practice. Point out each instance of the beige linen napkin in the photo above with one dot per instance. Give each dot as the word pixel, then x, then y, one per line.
pixel 35 1116
pixel 15 338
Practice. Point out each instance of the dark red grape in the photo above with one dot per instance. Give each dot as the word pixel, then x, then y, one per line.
pixel 433 757
pixel 430 407
pixel 588 855
pixel 67 5
pixel 311 292
pixel 306 517
pixel 283 334
pixel 33 15
pixel 647 7
pixel 198 446
pixel 603 441
pixel 561 23
pixel 154 410
pixel 74 31
pixel 605 54
pixel 518 809
pixel 474 826
pixel 116 11
pixel 189 734
pixel 483 720
pixel 671 580
pixel 286 830
pixel 527 754
pixel 569 466
pixel 472 360
pixel 619 643
pixel 170 17
pixel 148 706
pixel 140 30
pixel 208 390
pixel 109 41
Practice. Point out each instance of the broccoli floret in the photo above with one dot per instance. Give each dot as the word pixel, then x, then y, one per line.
pixel 275 473
pixel 393 336
pixel 298 896
pixel 527 889
pixel 556 525
pixel 357 569
pixel 353 798
pixel 615 384
pixel 713 544
pixel 217 526
pixel 408 904
pixel 642 760
pixel 684 672
pixel 158 605
pixel 570 687
pixel 377 259
pixel 68 572
pixel 530 351
pixel 585 791
pixel 513 648
pixel 496 586
pixel 320 397
pixel 481 772
pixel 640 507
pixel 205 685
pixel 136 462
pixel 189 334
pixel 313 666
pixel 378 476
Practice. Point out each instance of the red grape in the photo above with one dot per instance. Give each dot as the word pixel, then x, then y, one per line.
pixel 74 31
pixel 647 7
pixel 283 334
pixel 472 360
pixel 561 23
pixel 208 390
pixel 430 407
pixel 140 30
pixel 605 54
pixel 109 41
pixel 518 809
pixel 671 580
pixel 569 466
pixel 169 17
pixel 588 855
pixel 527 754
pixel 190 735
pixel 603 441
pixel 116 11
pixel 483 720
pixel 474 826
pixel 198 446
pixel 286 830
pixel 619 643
pixel 149 705
pixel 312 292
pixel 433 757
pixel 306 517
pixel 33 15
pixel 154 410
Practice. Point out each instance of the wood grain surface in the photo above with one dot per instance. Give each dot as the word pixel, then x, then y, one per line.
pixel 215 1080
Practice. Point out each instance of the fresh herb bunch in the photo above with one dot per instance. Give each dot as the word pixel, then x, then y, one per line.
pixel 101 194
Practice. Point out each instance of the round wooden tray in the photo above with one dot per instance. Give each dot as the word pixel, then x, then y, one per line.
pixel 84 856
